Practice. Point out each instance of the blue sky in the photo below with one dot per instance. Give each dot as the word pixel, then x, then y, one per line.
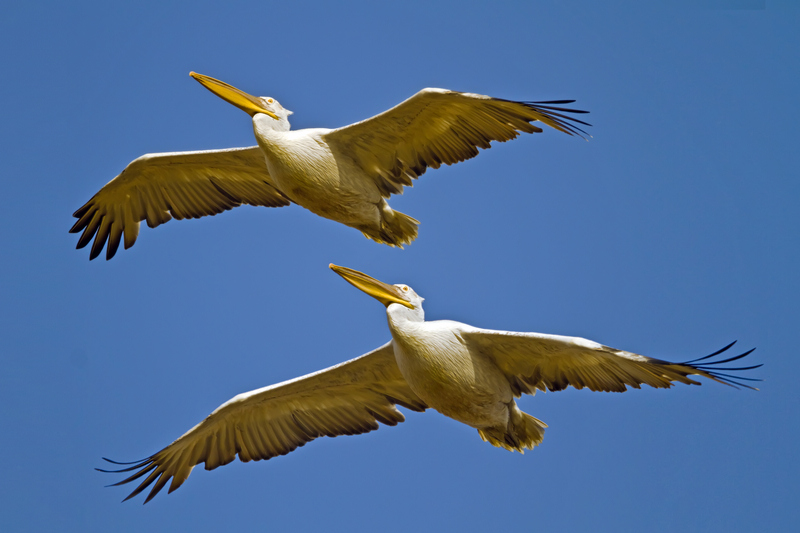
pixel 671 233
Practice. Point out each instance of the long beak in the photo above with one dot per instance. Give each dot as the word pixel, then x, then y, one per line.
pixel 246 102
pixel 383 292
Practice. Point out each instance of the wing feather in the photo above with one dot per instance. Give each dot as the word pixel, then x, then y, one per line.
pixel 534 361
pixel 346 399
pixel 159 187
pixel 436 127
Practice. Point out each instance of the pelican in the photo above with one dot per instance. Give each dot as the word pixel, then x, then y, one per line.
pixel 469 374
pixel 344 174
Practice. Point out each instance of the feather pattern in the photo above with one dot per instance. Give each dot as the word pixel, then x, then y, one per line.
pixel 160 187
pixel 346 399
pixel 534 361
pixel 437 126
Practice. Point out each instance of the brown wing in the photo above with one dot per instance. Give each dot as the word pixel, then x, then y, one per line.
pixel 158 187
pixel 437 126
pixel 533 361
pixel 346 399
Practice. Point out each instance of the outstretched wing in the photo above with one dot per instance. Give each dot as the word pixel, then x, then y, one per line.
pixel 346 399
pixel 158 187
pixel 438 126
pixel 533 361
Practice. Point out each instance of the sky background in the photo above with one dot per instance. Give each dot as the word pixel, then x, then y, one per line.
pixel 672 232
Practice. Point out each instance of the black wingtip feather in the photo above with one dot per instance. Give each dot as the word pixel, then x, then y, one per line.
pixel 95 252
pixel 565 121
pixel 82 210
pixel 565 117
pixel 558 102
pixel 138 461
pixel 113 244
pixel 713 369
pixel 745 354
pixel 85 238
pixel 734 381
pixel 736 377
pixel 160 481
pixel 562 109
pixel 128 469
pixel 709 356
pixel 740 368
pixel 78 226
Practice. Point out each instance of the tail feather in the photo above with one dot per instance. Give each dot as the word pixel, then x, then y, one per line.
pixel 523 431
pixel 396 229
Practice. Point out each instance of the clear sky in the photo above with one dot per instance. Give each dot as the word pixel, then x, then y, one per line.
pixel 672 232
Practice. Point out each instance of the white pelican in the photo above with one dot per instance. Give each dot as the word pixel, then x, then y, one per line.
pixel 469 374
pixel 343 174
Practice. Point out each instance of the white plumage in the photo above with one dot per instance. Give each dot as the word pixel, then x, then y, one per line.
pixel 344 174
pixel 469 374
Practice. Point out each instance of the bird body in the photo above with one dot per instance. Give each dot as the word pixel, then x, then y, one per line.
pixel 469 374
pixel 304 168
pixel 345 174
pixel 441 369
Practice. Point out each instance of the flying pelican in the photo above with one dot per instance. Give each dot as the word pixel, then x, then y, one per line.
pixel 343 174
pixel 469 374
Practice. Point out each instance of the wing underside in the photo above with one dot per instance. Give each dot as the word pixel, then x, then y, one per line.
pixel 533 361
pixel 347 399
pixel 160 187
pixel 436 127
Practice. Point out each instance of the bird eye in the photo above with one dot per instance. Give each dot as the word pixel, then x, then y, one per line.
pixel 270 100
pixel 405 287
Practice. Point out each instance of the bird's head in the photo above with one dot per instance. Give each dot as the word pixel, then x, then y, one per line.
pixel 252 105
pixel 387 294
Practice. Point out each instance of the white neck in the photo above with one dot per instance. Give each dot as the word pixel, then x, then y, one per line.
pixel 400 315
pixel 263 124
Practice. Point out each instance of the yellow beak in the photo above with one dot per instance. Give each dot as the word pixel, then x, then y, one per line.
pixel 383 292
pixel 246 102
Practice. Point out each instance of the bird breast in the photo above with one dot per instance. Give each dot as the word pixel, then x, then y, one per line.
pixel 298 161
pixel 305 169
pixel 442 370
